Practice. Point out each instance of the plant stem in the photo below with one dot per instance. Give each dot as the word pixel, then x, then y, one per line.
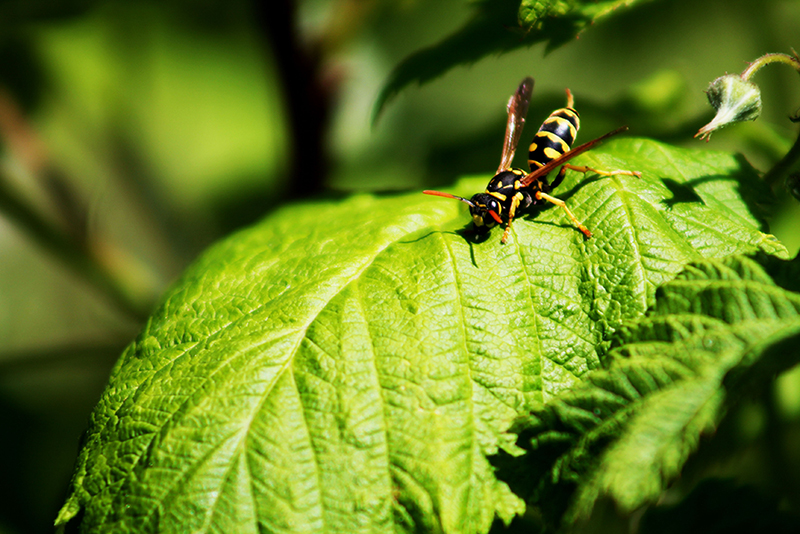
pixel 785 165
pixel 766 59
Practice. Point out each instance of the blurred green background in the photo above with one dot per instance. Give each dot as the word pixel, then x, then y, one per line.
pixel 139 132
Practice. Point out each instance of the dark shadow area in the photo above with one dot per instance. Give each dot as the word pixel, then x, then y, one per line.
pixel 472 236
pixel 756 196
pixel 721 506
pixel 19 426
pixel 38 449
pixel 528 477
pixel 785 273
pixel 680 192
pixel 22 75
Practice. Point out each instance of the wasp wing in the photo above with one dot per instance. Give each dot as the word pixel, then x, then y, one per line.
pixel 517 111
pixel 544 170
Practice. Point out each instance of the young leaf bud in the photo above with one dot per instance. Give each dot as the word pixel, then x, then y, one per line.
pixel 735 100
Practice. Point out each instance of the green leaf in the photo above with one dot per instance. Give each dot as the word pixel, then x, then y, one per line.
pixel 533 14
pixel 349 365
pixel 720 325
pixel 498 26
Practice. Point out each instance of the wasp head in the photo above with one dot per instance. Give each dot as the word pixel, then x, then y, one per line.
pixel 484 208
pixel 485 211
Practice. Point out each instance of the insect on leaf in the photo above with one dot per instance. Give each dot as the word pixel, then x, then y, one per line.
pixel 349 365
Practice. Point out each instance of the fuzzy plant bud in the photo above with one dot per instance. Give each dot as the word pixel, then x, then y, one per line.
pixel 735 100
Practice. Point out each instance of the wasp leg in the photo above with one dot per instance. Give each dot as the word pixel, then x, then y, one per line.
pixel 559 177
pixel 584 169
pixel 560 203
pixel 515 200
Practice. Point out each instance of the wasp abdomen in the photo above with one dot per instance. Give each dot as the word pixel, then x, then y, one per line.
pixel 554 138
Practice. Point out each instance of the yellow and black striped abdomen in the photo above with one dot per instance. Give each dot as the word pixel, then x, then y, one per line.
pixel 555 137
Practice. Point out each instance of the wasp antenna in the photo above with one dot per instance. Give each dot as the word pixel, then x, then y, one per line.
pixel 570 99
pixel 448 195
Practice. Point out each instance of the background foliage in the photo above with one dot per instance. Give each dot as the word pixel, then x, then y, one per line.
pixel 148 130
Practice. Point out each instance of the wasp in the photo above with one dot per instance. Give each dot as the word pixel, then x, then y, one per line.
pixel 511 190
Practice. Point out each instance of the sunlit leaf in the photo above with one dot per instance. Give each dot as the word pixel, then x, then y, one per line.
pixel 626 431
pixel 348 366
